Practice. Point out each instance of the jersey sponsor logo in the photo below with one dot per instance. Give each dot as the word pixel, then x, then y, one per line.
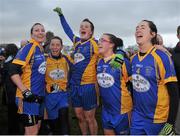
pixel 140 84
pixel 42 68
pixel 105 80
pixel 57 74
pixel 78 57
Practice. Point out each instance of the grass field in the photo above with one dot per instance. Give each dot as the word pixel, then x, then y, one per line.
pixel 74 127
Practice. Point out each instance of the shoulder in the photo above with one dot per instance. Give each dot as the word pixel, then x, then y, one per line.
pixel 161 53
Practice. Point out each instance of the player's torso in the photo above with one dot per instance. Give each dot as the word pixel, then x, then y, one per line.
pixel 57 72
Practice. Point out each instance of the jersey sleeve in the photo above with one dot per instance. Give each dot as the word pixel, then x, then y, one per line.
pixel 166 68
pixel 95 46
pixel 126 70
pixel 67 29
pixel 69 60
pixel 23 55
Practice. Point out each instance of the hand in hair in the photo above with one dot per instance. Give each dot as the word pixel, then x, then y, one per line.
pixel 117 61
pixel 58 10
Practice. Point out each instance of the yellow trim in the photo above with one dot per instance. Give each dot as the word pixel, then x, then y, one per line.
pixel 109 58
pixel 87 40
pixel 30 53
pixel 125 73
pixel 149 51
pixel 160 66
pixel 95 46
pixel 20 62
pixel 170 79
pixel 34 42
pixel 162 105
pixel 126 100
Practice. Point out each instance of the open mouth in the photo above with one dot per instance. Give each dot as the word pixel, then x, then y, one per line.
pixel 139 36
pixel 83 33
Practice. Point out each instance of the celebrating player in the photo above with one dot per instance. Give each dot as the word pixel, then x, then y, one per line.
pixel 113 82
pixel 83 78
pixel 155 89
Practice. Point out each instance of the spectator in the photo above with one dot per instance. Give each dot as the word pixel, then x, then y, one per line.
pixel 160 44
pixel 175 57
pixel 10 90
pixel 23 43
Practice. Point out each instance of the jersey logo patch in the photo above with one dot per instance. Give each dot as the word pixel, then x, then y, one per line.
pixel 78 57
pixel 140 84
pixel 57 74
pixel 105 80
pixel 42 68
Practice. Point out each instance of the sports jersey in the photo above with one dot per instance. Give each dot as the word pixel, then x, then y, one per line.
pixel 85 57
pixel 32 59
pixel 116 98
pixel 57 72
pixel 150 73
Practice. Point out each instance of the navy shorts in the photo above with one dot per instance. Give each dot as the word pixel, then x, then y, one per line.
pixel 119 123
pixel 84 96
pixel 54 102
pixel 140 126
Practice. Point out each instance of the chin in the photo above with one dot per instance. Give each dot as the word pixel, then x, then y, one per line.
pixel 84 38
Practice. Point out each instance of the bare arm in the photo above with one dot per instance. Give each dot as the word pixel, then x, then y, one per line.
pixel 17 80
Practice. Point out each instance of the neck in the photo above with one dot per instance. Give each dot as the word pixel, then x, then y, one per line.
pixel 56 57
pixel 145 47
pixel 108 54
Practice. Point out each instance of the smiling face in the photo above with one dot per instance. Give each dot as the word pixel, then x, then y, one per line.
pixel 144 34
pixel 85 31
pixel 55 47
pixel 105 46
pixel 38 33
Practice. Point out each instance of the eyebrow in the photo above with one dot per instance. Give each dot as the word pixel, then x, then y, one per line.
pixel 140 26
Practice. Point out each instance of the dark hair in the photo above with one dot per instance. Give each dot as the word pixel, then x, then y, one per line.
pixel 57 37
pixel 153 28
pixel 178 30
pixel 92 26
pixel 118 42
pixel 11 49
pixel 35 25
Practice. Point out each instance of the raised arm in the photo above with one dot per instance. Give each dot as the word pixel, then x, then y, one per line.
pixel 64 24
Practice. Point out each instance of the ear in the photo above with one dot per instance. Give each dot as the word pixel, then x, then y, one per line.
pixel 153 34
pixel 112 45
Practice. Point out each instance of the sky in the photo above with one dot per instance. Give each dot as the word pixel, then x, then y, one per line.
pixel 119 17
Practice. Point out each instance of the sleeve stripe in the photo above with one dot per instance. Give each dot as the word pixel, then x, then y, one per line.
pixel 20 62
pixel 170 79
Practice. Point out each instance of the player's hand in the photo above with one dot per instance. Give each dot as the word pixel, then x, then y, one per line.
pixel 28 96
pixel 58 10
pixel 55 88
pixel 167 130
pixel 117 61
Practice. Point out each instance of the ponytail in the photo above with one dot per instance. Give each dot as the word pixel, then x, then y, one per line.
pixel 118 42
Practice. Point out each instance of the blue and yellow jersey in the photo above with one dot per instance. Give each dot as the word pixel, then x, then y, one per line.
pixel 57 72
pixel 116 98
pixel 85 57
pixel 32 60
pixel 150 73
